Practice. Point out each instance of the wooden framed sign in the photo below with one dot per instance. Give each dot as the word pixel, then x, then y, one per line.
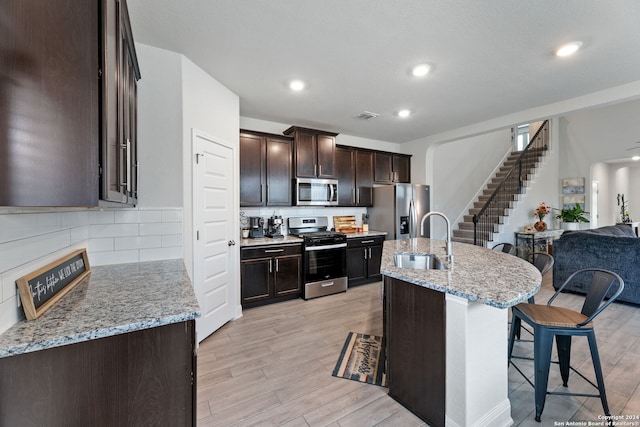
pixel 44 287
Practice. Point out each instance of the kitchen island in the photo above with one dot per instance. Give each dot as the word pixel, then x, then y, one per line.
pixel 446 331
pixel 118 349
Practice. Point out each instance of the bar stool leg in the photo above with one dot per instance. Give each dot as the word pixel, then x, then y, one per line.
pixel 598 370
pixel 563 343
pixel 515 327
pixel 542 344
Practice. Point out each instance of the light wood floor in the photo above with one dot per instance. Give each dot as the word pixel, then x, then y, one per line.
pixel 273 367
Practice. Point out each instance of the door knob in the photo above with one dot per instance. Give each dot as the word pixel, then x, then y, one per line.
pixel 232 243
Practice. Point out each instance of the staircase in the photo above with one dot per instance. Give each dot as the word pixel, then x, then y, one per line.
pixel 498 198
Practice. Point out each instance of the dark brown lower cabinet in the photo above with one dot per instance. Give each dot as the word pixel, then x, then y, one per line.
pixel 145 377
pixel 415 348
pixel 270 274
pixel 363 260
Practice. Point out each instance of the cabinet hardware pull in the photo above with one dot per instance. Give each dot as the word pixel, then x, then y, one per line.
pixel 367 241
pixel 369 252
pixel 270 266
pixel 319 170
pixel 315 169
pixel 128 166
pixel 277 265
pixel 358 196
pixel 365 253
pixel 353 195
pixel 270 251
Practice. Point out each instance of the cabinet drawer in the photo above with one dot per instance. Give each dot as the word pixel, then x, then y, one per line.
pixel 270 251
pixel 367 241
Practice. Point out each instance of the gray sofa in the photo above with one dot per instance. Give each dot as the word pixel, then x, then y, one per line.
pixel 615 248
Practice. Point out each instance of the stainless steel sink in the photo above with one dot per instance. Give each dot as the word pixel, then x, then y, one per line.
pixel 418 261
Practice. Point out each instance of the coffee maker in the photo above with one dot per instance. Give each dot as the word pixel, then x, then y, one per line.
pixel 274 226
pixel 256 225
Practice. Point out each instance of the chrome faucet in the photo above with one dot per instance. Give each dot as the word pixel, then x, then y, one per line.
pixel 448 247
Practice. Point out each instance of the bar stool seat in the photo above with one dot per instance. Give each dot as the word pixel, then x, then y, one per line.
pixel 549 322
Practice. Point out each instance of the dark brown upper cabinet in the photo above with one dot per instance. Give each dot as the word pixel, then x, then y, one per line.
pixel 119 142
pixel 265 169
pixel 354 170
pixel 49 103
pixel 391 168
pixel 67 91
pixel 314 152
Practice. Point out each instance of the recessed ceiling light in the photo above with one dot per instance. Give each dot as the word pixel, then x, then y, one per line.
pixel 421 70
pixel 635 158
pixel 404 113
pixel 568 49
pixel 296 85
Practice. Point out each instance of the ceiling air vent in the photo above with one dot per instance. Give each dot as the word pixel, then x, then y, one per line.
pixel 366 115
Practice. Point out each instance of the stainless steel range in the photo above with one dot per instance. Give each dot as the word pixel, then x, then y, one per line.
pixel 325 256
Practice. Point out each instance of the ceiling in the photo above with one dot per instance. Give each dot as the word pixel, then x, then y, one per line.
pixel 489 58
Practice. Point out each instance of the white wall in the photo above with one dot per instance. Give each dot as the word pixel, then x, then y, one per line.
pixel 214 110
pixel 160 127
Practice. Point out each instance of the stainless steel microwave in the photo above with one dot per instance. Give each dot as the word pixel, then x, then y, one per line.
pixel 316 192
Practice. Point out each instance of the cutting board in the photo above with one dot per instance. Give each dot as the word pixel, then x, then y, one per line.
pixel 345 224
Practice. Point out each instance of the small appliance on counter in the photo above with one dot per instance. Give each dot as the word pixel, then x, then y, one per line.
pixel 274 227
pixel 256 227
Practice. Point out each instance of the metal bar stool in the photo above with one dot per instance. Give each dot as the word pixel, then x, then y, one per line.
pixel 505 247
pixel 562 323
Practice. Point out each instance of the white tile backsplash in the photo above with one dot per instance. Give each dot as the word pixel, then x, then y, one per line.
pixel 31 238
pixel 286 213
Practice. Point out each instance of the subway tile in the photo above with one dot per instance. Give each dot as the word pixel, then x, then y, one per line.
pixel 40 246
pixel 112 230
pixel 10 313
pixel 10 255
pixel 138 242
pixel 150 216
pixel 171 240
pixel 160 228
pixel 157 254
pixel 101 244
pixel 126 216
pixel 114 257
pixel 74 219
pixel 172 215
pixel 79 235
pixel 101 217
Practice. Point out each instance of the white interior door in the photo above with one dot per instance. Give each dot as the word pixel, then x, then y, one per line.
pixel 215 253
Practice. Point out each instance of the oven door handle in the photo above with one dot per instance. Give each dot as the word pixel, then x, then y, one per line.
pixel 321 248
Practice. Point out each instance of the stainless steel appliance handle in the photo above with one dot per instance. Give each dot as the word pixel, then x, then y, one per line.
pixel 331 192
pixel 321 248
pixel 411 221
pixel 268 251
pixel 367 241
pixel 324 285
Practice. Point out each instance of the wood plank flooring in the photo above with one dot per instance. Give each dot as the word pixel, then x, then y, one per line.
pixel 272 367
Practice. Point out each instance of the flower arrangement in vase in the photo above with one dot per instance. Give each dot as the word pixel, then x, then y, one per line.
pixel 540 212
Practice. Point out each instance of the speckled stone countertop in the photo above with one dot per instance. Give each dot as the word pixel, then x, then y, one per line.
pixel 478 274
pixel 112 300
pixel 290 238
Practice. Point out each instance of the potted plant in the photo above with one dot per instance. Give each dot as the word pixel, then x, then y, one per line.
pixel 570 218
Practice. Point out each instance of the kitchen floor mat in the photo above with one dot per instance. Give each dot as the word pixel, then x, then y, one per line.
pixel 362 359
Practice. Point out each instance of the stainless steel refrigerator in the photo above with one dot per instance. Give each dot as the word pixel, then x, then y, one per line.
pixel 398 210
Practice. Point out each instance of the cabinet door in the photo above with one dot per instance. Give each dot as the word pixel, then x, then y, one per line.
pixel 288 270
pixel 383 167
pixel 49 103
pixel 256 278
pixel 373 264
pixel 401 168
pixel 364 178
pixel 326 145
pixel 278 171
pixel 120 72
pixel 306 154
pixel 345 172
pixel 356 264
pixel 252 170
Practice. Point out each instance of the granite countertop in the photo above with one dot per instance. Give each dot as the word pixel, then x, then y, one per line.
pixel 478 274
pixel 290 238
pixel 112 300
